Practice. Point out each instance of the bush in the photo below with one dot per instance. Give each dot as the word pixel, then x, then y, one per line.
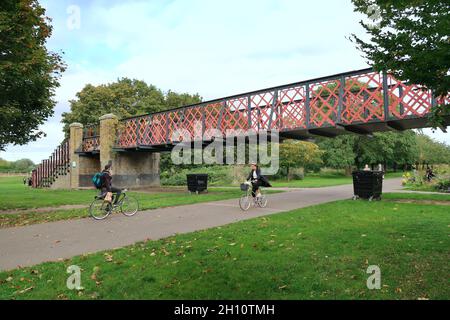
pixel 217 175
pixel 443 184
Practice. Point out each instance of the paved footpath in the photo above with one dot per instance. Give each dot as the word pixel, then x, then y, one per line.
pixel 30 245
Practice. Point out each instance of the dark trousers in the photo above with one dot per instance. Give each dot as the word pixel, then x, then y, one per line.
pixel 115 191
pixel 255 186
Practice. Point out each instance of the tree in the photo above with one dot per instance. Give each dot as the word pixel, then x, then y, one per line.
pixel 410 40
pixel 406 151
pixel 388 148
pixel 124 98
pixel 432 152
pixel 338 152
pixel 295 154
pixel 4 165
pixel 29 73
pixel 23 165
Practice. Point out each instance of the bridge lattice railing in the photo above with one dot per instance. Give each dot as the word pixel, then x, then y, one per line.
pixel 91 138
pixel 351 98
pixel 49 170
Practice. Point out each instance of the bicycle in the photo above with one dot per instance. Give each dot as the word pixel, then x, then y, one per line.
pixel 247 199
pixel 101 209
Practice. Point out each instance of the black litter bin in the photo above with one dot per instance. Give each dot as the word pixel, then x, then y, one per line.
pixel 197 182
pixel 368 185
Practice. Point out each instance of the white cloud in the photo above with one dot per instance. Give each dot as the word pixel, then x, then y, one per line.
pixel 40 149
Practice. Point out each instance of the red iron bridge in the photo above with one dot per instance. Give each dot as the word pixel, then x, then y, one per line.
pixel 361 102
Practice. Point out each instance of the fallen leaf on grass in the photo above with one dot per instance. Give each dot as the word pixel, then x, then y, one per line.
pixel 25 290
pixel 108 257
pixel 95 295
pixel 95 273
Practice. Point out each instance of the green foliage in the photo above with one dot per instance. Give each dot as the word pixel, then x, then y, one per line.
pixel 23 165
pixel 19 166
pixel 124 98
pixel 443 184
pixel 338 152
pixel 412 42
pixel 431 151
pixel 296 154
pixel 29 73
pixel 217 175
pixel 347 151
pixel 386 148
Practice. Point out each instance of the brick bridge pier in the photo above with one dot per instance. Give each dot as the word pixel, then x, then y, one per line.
pixel 89 149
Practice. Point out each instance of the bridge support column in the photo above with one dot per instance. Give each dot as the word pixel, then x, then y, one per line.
pixel 108 130
pixel 82 167
pixel 75 141
pixel 131 169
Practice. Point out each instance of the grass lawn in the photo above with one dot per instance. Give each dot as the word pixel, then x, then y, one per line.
pixel 323 180
pixel 320 252
pixel 14 195
pixel 427 187
pixel 417 196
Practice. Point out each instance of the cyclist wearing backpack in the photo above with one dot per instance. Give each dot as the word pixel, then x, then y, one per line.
pixel 106 183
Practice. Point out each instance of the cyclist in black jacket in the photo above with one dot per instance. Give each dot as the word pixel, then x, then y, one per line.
pixel 257 180
pixel 107 183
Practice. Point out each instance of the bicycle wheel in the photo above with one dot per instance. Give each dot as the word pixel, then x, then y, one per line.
pixel 100 209
pixel 245 202
pixel 129 206
pixel 262 201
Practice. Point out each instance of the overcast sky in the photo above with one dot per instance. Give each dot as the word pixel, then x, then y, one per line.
pixel 208 47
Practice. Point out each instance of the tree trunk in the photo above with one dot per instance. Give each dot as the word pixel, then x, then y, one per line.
pixel 348 171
